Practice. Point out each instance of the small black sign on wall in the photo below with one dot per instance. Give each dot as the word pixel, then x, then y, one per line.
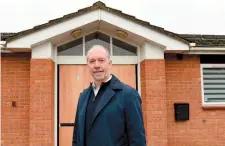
pixel 181 111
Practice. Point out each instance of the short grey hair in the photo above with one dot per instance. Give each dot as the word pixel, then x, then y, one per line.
pixel 98 46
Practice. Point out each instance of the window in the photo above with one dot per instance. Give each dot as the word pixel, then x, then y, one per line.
pixel 73 48
pixel 123 49
pixel 81 46
pixel 96 38
pixel 213 83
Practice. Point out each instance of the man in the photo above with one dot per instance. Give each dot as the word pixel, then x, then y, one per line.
pixel 108 112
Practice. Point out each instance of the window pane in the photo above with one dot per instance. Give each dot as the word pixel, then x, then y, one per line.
pixel 214 84
pixel 123 49
pixel 96 38
pixel 74 48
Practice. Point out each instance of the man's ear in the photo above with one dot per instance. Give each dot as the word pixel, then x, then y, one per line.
pixel 110 63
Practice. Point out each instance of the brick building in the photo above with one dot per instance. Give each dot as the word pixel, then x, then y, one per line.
pixel 180 77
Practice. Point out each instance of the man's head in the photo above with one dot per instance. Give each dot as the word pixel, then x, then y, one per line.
pixel 99 63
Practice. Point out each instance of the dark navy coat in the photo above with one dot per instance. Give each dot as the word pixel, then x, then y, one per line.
pixel 118 119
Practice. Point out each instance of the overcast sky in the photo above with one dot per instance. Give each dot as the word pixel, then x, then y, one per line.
pixel 179 16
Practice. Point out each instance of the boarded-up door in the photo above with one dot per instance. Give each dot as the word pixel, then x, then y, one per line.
pixel 72 80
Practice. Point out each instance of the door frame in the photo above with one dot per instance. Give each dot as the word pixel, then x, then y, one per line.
pixel 57 124
pixel 81 60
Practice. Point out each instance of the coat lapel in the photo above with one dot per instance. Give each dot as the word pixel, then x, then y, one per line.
pixel 107 96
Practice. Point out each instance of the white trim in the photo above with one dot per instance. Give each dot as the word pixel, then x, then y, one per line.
pixel 44 50
pixel 151 35
pixel 124 59
pixel 46 34
pixel 208 48
pixel 150 51
pixel 115 59
pixel 50 32
pixel 203 52
pixel 202 84
pixel 82 59
pixel 83 45
pixel 55 99
pixel 54 54
pixel 111 46
pixel 139 69
pixel 213 65
pixel 105 33
pixel 213 104
pixel 71 59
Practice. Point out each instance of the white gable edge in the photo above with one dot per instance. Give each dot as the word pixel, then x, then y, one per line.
pixel 168 42
pixel 47 33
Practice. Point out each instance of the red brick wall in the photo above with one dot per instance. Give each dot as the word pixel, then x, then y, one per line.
pixel 41 102
pixel 205 127
pixel 162 83
pixel 15 73
pixel 153 92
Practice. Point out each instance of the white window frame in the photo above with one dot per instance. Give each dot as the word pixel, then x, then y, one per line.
pixel 115 59
pixel 202 84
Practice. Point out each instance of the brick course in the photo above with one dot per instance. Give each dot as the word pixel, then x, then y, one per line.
pixel 15 81
pixel 41 102
pixel 183 84
pixel 153 92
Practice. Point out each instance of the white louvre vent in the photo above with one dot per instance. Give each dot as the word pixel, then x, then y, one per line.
pixel 213 84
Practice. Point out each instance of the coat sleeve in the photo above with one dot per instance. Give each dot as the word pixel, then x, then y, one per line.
pixel 134 119
pixel 74 140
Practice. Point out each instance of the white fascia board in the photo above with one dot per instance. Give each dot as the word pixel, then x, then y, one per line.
pixel 222 48
pixel 206 50
pixel 47 33
pixel 151 35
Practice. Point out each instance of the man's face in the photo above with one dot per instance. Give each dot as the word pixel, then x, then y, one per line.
pixel 98 64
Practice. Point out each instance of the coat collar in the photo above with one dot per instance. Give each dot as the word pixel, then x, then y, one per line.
pixel 116 83
pixel 93 84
